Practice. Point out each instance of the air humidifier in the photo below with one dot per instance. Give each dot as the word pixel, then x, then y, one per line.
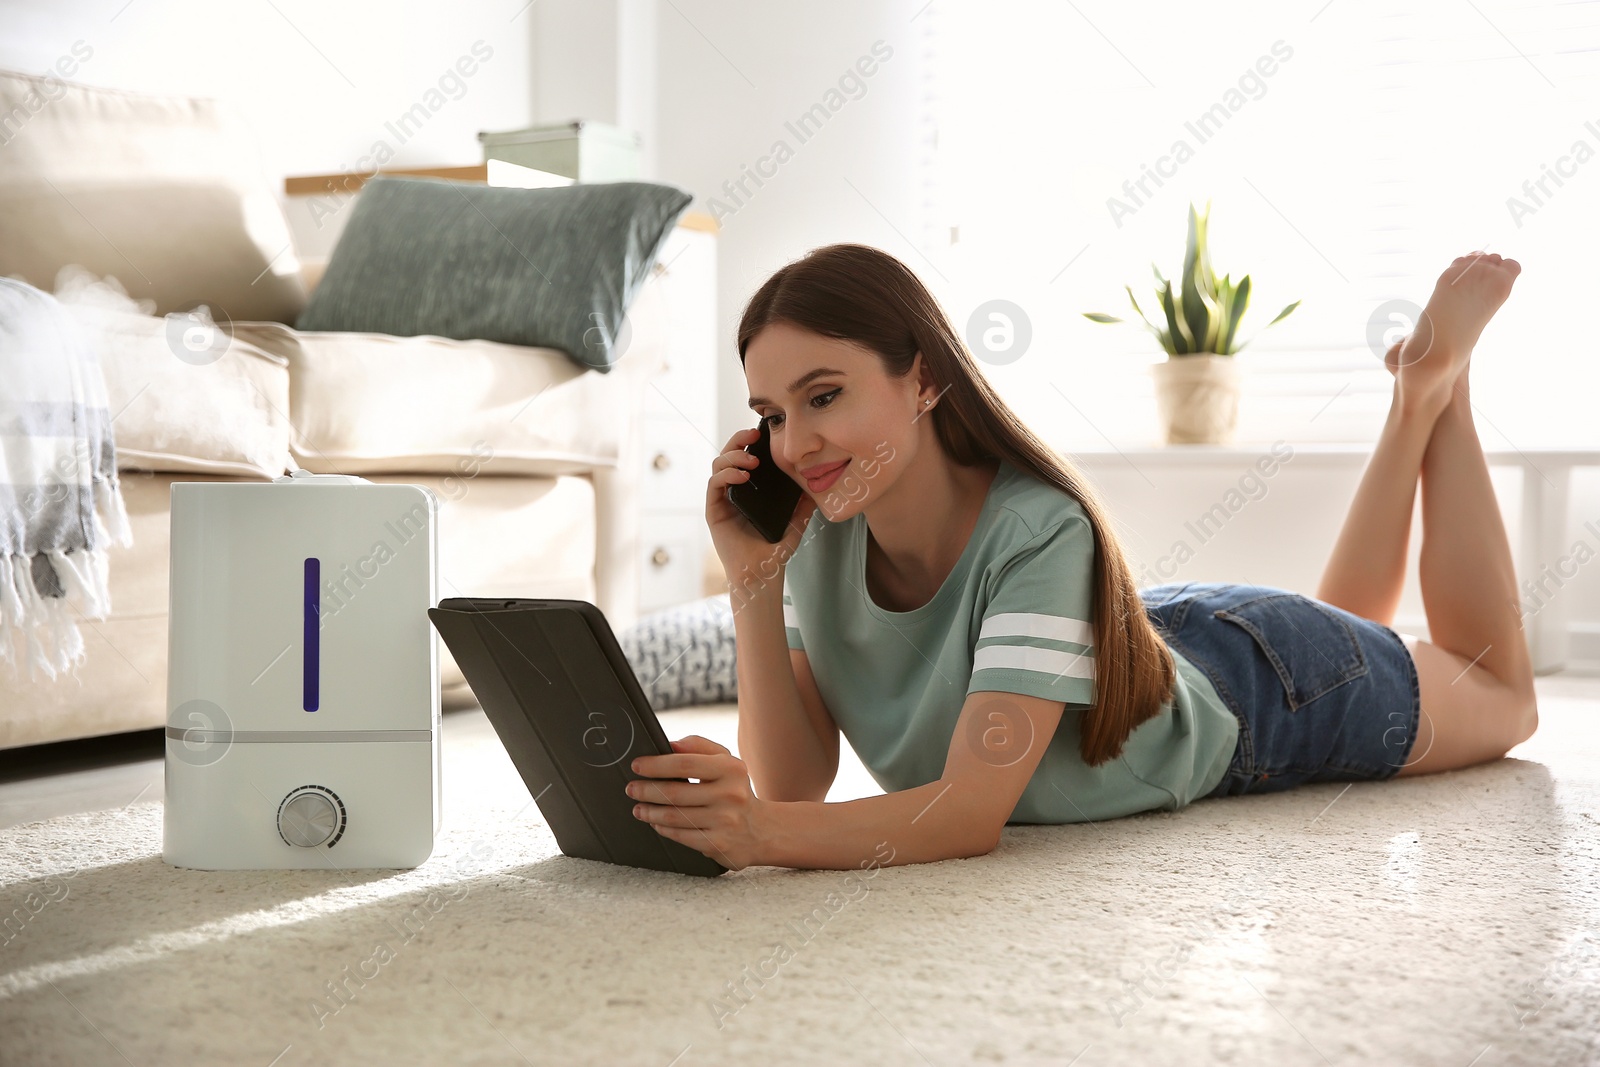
pixel 302 675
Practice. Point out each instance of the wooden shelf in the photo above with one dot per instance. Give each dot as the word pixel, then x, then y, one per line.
pixel 325 184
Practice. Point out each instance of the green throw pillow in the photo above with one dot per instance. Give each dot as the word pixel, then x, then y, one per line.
pixel 556 268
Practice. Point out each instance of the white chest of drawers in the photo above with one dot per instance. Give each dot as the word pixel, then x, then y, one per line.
pixel 680 424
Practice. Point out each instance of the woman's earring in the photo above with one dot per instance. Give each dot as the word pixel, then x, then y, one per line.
pixel 925 402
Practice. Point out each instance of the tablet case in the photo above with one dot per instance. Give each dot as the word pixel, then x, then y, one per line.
pixel 558 690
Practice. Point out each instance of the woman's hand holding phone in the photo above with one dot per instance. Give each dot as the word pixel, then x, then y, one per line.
pixel 745 554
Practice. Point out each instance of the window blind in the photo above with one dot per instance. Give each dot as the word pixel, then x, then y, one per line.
pixel 1349 149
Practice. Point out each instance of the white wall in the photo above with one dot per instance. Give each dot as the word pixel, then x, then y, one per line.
pixel 731 78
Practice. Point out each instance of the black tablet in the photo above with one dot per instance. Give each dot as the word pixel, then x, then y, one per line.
pixel 558 690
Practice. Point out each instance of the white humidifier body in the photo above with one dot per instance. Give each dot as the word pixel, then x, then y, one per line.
pixel 303 675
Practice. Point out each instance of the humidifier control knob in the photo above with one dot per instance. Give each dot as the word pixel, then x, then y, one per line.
pixel 311 816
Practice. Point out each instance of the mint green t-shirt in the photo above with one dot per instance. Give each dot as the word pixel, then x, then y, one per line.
pixel 1012 617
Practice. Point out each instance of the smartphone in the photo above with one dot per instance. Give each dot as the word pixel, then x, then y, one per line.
pixel 769 497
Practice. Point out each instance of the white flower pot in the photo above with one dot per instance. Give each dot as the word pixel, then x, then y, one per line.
pixel 1198 396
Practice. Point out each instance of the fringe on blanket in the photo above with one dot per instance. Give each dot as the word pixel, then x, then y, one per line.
pixel 76 584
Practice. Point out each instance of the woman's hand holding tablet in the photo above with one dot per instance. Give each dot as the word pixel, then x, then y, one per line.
pixel 718 814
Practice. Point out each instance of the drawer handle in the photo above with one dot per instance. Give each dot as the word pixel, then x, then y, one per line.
pixel 660 557
pixel 661 462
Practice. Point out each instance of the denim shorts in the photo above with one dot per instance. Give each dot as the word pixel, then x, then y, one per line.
pixel 1321 694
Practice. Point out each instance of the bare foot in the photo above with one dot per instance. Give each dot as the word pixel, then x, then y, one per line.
pixel 1433 359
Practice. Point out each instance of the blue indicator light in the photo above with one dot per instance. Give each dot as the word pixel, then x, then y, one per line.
pixel 311 643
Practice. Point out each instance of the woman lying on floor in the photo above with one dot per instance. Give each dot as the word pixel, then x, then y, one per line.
pixel 951 595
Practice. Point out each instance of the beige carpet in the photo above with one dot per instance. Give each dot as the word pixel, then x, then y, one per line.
pixel 1450 920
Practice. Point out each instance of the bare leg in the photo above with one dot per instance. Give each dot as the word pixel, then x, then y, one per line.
pixel 1469 585
pixel 1366 571
pixel 1475 674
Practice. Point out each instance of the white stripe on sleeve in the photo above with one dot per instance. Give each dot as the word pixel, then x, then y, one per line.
pixel 1035 624
pixel 1051 661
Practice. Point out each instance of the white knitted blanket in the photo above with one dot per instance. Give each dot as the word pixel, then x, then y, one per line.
pixel 60 502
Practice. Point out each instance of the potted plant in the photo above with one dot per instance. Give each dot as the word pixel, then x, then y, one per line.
pixel 1197 385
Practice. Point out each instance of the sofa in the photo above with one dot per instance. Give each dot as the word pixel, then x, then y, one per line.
pixel 536 461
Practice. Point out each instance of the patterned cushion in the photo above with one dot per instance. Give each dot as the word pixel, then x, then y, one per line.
pixel 685 654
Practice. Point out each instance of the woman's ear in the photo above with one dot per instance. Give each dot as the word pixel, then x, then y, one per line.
pixel 919 370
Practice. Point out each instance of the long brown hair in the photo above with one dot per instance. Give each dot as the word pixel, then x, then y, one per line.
pixel 862 294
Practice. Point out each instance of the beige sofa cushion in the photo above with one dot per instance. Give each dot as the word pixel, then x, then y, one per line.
pixel 183 395
pixel 515 537
pixel 365 403
pixel 164 192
